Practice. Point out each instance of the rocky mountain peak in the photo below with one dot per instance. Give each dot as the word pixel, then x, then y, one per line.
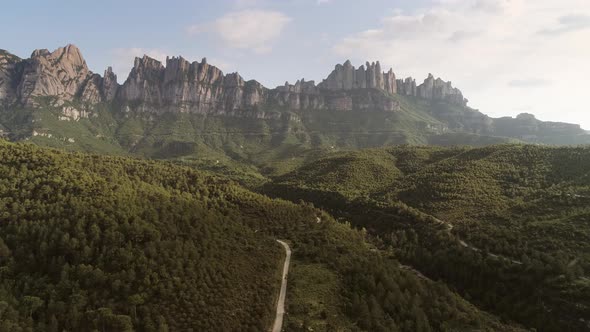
pixel 347 77
pixel 60 73
pixel 181 86
pixel 4 54
pixel 8 74
pixel 198 87
pixel 370 76
pixel 146 63
pixel 109 84
pixel 70 54
pixel 43 52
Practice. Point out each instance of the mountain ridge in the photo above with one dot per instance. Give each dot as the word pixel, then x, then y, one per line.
pixel 433 112
pixel 65 74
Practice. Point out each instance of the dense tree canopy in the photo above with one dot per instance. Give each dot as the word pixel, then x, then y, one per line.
pixel 507 226
pixel 95 243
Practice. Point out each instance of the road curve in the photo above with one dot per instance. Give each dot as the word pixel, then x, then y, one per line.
pixel 278 325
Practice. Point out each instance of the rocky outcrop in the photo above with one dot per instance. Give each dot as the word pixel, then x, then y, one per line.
pixel 307 96
pixel 109 85
pixel 186 87
pixel 198 87
pixel 302 95
pixel 407 87
pixel 9 74
pixel 347 77
pixel 144 81
pixel 60 74
pixel 90 91
pixel 437 89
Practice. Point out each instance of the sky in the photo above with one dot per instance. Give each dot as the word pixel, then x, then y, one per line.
pixel 507 56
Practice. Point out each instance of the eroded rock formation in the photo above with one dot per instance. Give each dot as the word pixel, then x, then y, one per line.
pixel 346 77
pixel 198 87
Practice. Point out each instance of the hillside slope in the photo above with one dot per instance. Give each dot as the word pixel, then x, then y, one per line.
pixel 506 225
pixel 92 242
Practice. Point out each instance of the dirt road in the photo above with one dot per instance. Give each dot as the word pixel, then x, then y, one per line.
pixel 278 325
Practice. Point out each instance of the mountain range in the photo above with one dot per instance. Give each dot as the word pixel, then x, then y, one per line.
pixel 53 98
pixel 182 86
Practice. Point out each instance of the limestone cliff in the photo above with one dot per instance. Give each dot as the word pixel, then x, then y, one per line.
pixel 61 74
pixel 347 77
pixel 186 87
pixel 197 87
pixel 9 74
pixel 180 86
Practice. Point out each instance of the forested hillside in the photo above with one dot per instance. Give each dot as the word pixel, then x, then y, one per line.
pixel 505 225
pixel 115 244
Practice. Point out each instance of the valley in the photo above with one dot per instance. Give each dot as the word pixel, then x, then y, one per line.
pixel 156 204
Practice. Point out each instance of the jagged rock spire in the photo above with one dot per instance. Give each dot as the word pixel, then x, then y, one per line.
pixel 197 87
pixel 347 77
pixel 370 76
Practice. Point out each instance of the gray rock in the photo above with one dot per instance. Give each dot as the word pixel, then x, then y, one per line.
pixel 9 76
pixel 60 73
pixel 109 85
pixel 181 86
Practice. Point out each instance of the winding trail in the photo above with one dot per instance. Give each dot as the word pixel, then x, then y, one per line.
pixel 278 325
pixel 464 244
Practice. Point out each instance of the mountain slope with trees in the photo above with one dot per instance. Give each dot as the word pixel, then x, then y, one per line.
pixel 518 244
pixel 104 243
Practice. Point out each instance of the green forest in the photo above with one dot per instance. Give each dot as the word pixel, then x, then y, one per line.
pixel 506 226
pixel 103 243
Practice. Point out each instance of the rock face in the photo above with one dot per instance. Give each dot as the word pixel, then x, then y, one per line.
pixel 109 85
pixel 407 87
pixel 302 95
pixel 437 89
pixel 62 74
pixel 197 87
pixel 187 87
pixel 9 72
pixel 180 86
pixel 347 77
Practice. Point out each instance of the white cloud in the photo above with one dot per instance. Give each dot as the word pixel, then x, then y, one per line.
pixel 252 29
pixel 529 83
pixel 569 23
pixel 481 45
